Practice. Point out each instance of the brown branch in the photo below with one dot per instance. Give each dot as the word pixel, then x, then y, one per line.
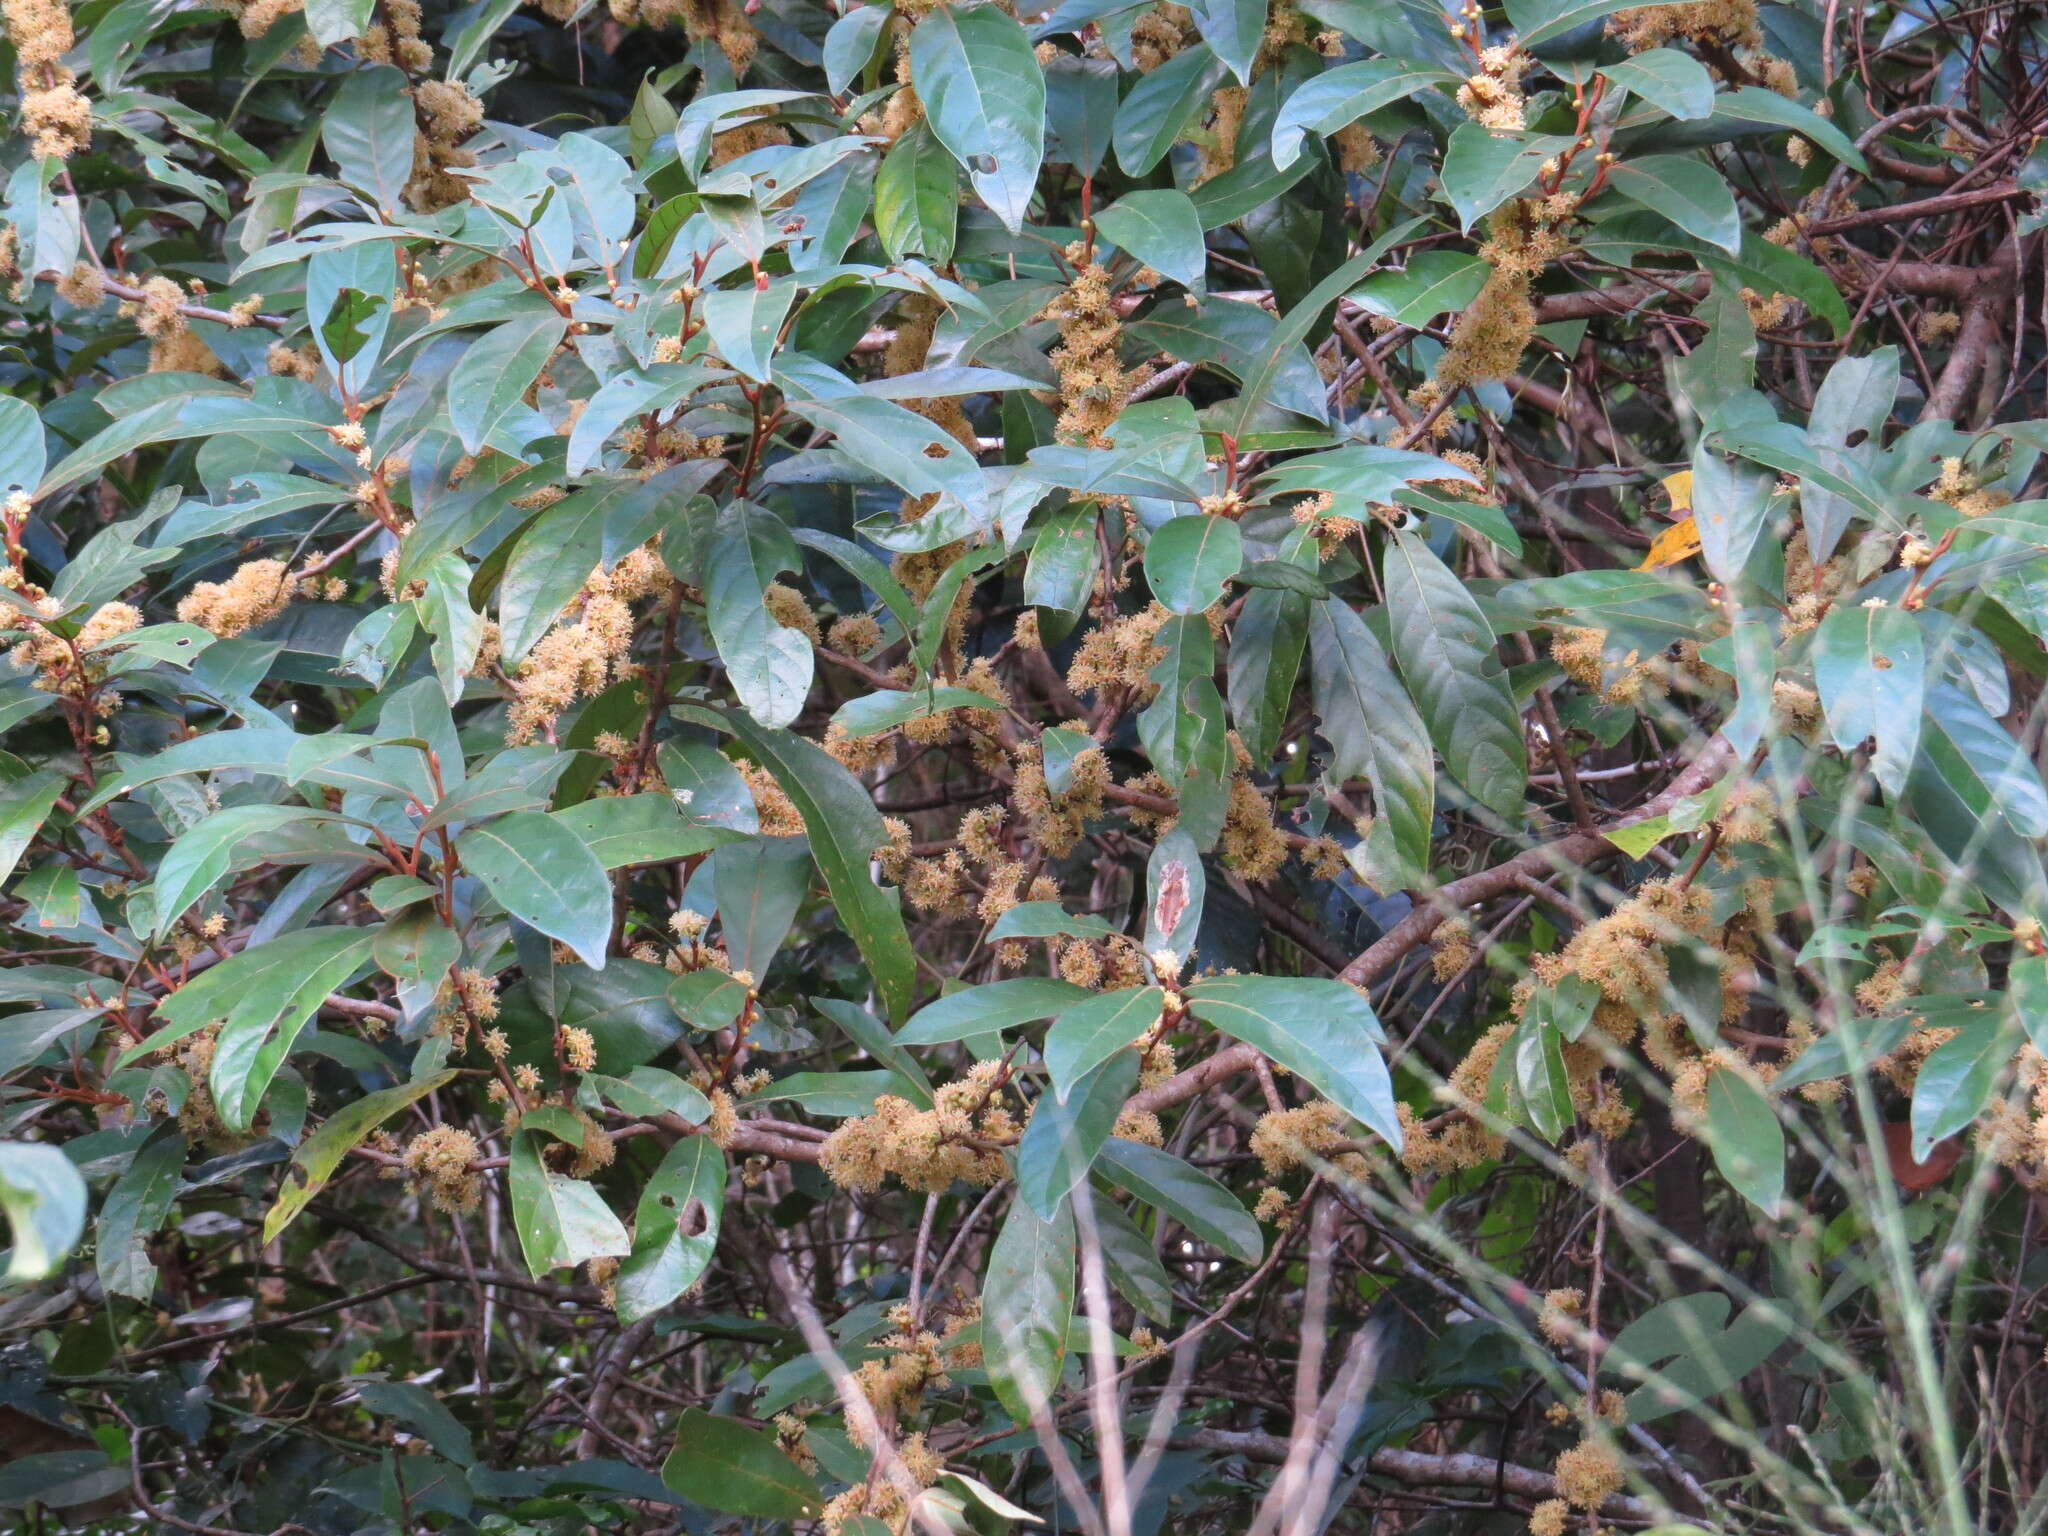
pixel 1419 1469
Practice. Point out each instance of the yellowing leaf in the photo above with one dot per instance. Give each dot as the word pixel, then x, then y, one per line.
pixel 1679 488
pixel 1679 542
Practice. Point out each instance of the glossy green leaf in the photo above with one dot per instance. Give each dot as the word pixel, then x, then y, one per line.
pixel 722 1464
pixel 1190 560
pixel 320 1154
pixel 1198 1202
pixel 1089 1032
pixel 1161 229
pixel 1447 653
pixel 984 97
pixel 1324 1032
pixel 1027 1301
pixel 844 830
pixel 542 873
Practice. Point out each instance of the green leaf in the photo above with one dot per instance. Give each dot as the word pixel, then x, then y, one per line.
pixel 1191 1197
pixel 759 884
pixel 1341 96
pixel 542 873
pixel 744 322
pixel 1855 399
pixel 1131 1262
pixel 317 1157
pixel 1375 731
pixel 850 44
pixel 1090 1032
pixel 561 1222
pixel 1956 1080
pixel 1982 762
pixel 1324 1032
pixel 1063 1137
pixel 881 435
pixel 487 386
pixel 23 806
pixel 770 665
pixel 1433 283
pixel 22 457
pixel 261 997
pixel 992 1006
pixel 1190 560
pixel 1667 79
pixel 136 1211
pixel 1748 1144
pixel 1234 29
pixel 2027 985
pixel 1688 192
pixel 650 1091
pixel 1027 1303
pixel 368 129
pixel 884 711
pixel 1870 665
pixel 1539 21
pixel 1157 107
pixel 1731 505
pixel 1540 1079
pixel 1758 104
pixel 624 830
pixel 917 192
pixel 1447 654
pixel 844 830
pixel 415 1405
pixel 984 96
pixel 204 853
pixel 725 1465
pixel 625 1007
pixel 675 1228
pixel 1161 229
pixel 1061 571
pixel 1046 919
pixel 1080 110
pixel 44 1198
pixel 343 331
pixel 1483 169
pixel 416 948
pixel 1266 646
pixel 1789 451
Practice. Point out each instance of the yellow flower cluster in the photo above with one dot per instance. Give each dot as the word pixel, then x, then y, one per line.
pixel 1463 1141
pixel 1731 23
pixel 1120 654
pixel 1492 97
pixel 1559 1319
pixel 1055 822
pixel 1285 1139
pixel 907 352
pixel 257 592
pixel 1161 33
pixel 446 113
pixel 438 1161
pixel 67 666
pixel 56 119
pixel 1094 384
pixel 583 657
pixel 960 1137
pixel 1588 1475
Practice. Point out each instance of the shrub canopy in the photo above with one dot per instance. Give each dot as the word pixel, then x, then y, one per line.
pixel 936 766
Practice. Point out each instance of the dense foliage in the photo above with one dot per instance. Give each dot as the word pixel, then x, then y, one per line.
pixel 930 766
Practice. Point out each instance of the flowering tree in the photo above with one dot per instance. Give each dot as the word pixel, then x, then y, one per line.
pixel 935 767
